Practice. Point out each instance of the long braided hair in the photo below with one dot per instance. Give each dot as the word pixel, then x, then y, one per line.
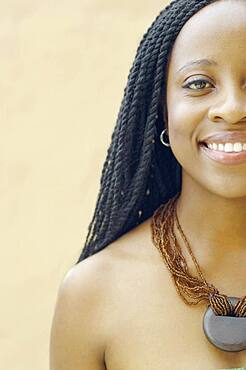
pixel 139 174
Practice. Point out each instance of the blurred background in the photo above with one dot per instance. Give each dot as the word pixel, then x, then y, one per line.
pixel 63 68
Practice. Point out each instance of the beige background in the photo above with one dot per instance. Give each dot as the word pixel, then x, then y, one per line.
pixel 63 68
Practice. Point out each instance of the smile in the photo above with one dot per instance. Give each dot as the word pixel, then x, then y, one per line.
pixel 227 147
pixel 227 153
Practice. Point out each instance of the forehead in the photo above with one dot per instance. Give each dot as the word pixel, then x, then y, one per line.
pixel 217 32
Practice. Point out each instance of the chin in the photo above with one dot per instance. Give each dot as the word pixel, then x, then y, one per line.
pixel 201 180
pixel 227 189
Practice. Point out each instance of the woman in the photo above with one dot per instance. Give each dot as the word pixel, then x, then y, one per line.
pixel 118 308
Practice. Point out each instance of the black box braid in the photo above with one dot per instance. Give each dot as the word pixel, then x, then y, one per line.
pixel 139 174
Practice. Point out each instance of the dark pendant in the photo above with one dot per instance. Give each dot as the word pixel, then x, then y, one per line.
pixel 227 333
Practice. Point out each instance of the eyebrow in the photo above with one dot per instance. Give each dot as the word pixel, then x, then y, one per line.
pixel 199 62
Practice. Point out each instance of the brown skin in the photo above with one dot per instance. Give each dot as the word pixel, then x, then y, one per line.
pixel 118 309
pixel 214 221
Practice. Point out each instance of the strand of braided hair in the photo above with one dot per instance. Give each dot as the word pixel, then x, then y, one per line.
pixel 135 161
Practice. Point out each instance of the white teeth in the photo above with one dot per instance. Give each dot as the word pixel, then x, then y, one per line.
pixel 228 147
pixel 238 147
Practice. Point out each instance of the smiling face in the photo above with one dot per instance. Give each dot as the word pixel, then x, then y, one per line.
pixel 206 95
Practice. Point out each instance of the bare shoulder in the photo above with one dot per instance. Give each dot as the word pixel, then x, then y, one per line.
pixel 92 297
pixel 97 275
pixel 103 274
pixel 77 337
pixel 98 270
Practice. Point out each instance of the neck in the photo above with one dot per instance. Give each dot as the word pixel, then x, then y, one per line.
pixel 215 228
pixel 210 217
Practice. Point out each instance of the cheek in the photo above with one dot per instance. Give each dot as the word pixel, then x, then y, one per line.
pixel 179 122
pixel 185 120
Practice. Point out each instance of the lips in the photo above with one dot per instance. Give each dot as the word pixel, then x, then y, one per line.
pixel 224 158
pixel 225 137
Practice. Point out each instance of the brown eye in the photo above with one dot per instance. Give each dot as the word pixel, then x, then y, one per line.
pixel 199 84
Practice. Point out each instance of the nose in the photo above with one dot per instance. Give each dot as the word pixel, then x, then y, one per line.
pixel 230 109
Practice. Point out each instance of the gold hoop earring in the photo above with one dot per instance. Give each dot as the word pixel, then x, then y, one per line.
pixel 162 140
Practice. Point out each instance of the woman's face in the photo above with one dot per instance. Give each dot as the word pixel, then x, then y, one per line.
pixel 206 96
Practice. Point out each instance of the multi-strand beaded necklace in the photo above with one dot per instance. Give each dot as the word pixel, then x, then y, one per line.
pixel 224 321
